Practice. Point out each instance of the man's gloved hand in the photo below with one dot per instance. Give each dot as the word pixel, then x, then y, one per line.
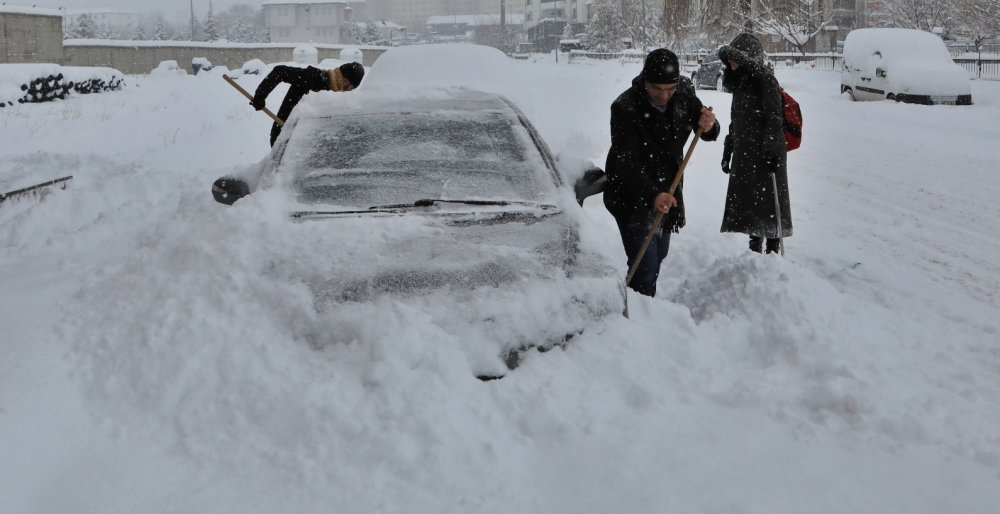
pixel 257 103
pixel 725 167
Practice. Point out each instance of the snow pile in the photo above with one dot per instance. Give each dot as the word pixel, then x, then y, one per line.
pixel 305 55
pixel 167 68
pixel 254 67
pixel 160 350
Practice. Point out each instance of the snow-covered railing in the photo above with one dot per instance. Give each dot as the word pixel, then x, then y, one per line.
pixel 819 60
pixel 625 56
pixel 986 68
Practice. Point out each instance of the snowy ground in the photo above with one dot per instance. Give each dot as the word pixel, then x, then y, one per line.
pixel 151 360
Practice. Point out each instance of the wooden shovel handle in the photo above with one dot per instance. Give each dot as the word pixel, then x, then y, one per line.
pixel 239 88
pixel 659 215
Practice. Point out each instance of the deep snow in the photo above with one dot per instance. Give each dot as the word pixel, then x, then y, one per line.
pixel 154 359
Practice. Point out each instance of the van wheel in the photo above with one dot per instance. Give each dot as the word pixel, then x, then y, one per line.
pixel 892 97
pixel 848 93
pixel 718 85
pixel 694 81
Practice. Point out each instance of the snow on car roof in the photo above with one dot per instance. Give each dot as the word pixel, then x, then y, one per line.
pixel 899 44
pixel 418 99
pixel 443 65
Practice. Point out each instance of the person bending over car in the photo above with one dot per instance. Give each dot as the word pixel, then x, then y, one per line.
pixel 303 80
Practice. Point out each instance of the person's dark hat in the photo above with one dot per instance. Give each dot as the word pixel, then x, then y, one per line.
pixel 353 72
pixel 661 67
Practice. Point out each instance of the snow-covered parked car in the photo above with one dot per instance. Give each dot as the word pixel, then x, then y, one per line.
pixel 905 65
pixel 450 203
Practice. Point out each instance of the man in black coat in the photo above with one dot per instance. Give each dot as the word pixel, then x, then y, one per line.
pixel 756 142
pixel 650 123
pixel 303 80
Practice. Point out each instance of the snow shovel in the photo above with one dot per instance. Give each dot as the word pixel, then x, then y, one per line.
pixel 659 215
pixel 777 213
pixel 250 97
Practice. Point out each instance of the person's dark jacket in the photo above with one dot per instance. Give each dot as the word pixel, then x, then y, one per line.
pixel 300 80
pixel 647 148
pixel 756 141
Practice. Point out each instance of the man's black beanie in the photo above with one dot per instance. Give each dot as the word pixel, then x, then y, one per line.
pixel 662 67
pixel 353 72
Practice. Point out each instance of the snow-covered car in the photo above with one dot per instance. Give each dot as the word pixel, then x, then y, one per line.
pixel 452 205
pixel 905 65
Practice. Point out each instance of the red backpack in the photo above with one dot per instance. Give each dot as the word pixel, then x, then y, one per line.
pixel 793 121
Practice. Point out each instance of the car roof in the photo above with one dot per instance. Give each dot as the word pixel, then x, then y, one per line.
pixel 457 99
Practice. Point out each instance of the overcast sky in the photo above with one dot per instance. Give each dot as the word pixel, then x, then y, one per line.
pixel 173 9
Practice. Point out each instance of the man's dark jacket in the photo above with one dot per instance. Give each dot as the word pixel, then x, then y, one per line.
pixel 647 148
pixel 300 80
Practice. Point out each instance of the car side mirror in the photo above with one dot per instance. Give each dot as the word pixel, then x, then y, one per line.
pixel 880 72
pixel 227 190
pixel 591 183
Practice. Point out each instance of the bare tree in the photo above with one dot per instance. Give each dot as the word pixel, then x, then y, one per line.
pixel 679 23
pixel 979 21
pixel 796 21
pixel 929 15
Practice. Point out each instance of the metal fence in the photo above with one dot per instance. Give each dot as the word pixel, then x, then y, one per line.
pixel 987 67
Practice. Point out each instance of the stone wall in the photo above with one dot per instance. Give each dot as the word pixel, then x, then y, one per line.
pixel 141 57
pixel 28 37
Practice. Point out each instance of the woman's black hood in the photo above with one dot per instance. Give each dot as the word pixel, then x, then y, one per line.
pixel 746 51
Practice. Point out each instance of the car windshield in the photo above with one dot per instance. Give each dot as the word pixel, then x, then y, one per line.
pixel 364 160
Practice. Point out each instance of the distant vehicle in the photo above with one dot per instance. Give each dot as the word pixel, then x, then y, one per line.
pixel 523 50
pixel 566 45
pixel 488 215
pixel 904 65
pixel 708 75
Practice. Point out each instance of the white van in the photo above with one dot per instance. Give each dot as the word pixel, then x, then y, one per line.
pixel 904 65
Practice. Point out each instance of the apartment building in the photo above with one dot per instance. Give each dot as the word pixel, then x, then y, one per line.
pixel 308 21
pixel 106 22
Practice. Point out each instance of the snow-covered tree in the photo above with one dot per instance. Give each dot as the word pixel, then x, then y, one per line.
pixel 139 34
pixel 159 33
pixel 606 28
pixel 83 28
pixel 243 23
pixel 979 20
pixel 938 16
pixel 796 21
pixel 680 23
pixel 210 30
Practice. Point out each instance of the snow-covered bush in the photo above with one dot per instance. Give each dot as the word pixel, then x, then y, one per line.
pixel 305 55
pixel 199 64
pixel 86 79
pixel 28 83
pixel 254 67
pixel 168 68
pixel 352 55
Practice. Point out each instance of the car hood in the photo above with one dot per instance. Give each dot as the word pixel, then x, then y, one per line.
pixel 447 252
pixel 504 280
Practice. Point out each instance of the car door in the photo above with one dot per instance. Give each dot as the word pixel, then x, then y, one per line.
pixel 871 85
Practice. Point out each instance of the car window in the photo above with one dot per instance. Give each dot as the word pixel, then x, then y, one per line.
pixel 359 161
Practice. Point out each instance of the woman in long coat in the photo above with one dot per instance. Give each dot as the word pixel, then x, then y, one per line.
pixel 756 142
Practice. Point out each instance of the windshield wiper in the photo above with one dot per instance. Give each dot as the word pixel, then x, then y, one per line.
pixel 427 202
pixel 306 214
